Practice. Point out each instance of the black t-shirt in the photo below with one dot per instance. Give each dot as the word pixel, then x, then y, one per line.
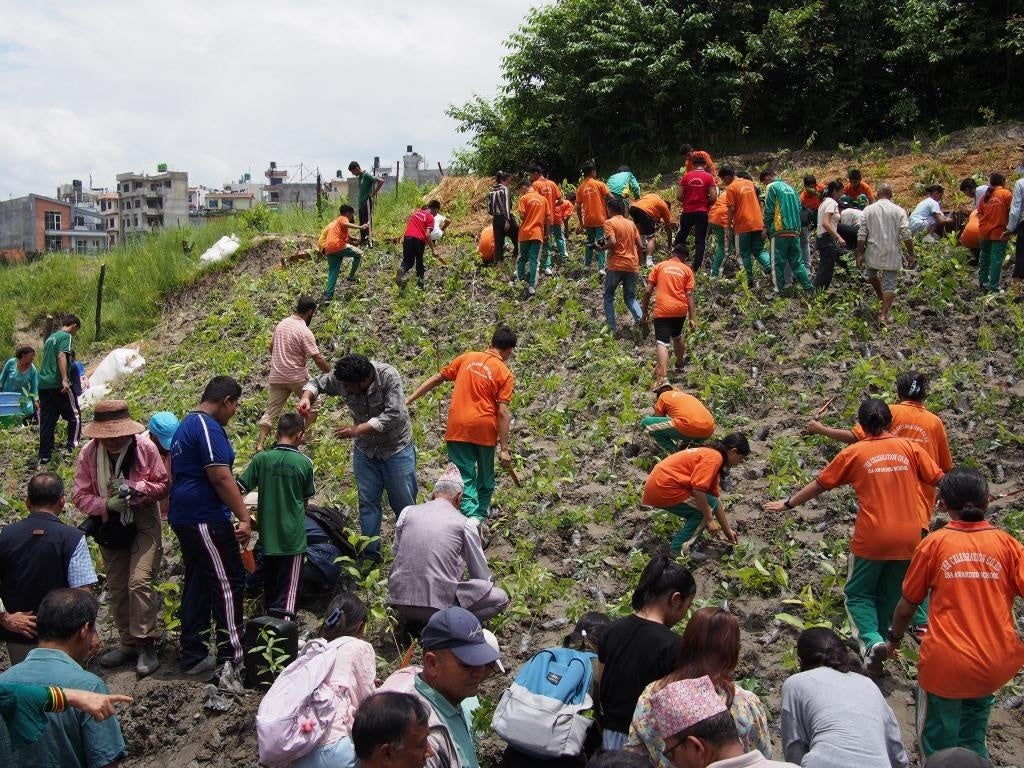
pixel 635 652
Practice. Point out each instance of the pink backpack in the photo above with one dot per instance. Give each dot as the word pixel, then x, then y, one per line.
pixel 297 712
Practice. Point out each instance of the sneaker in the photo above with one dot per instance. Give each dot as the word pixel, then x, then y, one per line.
pixel 325 299
pixel 116 657
pixel 401 276
pixel 601 273
pixel 549 271
pixel 148 662
pixel 876 660
pixel 202 667
pixel 531 291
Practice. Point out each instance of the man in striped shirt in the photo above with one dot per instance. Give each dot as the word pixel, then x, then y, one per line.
pixel 499 205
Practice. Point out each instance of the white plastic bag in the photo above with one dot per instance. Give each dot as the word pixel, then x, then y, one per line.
pixel 221 250
pixel 116 364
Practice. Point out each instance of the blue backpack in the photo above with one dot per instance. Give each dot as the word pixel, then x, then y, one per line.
pixel 543 712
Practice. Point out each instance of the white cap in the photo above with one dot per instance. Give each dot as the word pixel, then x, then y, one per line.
pixel 493 642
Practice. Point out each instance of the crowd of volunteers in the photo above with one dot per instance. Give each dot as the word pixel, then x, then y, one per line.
pixel 629 690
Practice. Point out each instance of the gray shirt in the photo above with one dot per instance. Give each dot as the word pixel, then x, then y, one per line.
pixel 435 547
pixel 884 229
pixel 834 719
pixel 382 407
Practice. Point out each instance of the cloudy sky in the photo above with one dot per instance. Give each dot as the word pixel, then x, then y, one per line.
pixel 105 86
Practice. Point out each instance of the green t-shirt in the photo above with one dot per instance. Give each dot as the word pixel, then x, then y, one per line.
pixel 49 372
pixel 454 720
pixel 366 182
pixel 284 478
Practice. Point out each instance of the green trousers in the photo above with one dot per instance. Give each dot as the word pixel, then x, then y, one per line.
pixel 873 589
pixel 990 264
pixel 557 235
pixel 722 248
pixel 943 723
pixel 593 235
pixel 749 246
pixel 785 252
pixel 692 518
pixel 529 250
pixel 668 438
pixel 334 267
pixel 476 465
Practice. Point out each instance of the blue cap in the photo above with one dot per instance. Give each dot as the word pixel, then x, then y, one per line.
pixel 460 632
pixel 162 426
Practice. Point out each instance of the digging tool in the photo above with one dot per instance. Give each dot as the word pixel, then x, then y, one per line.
pixel 407 656
pixel 515 478
pixel 1002 496
pixel 821 411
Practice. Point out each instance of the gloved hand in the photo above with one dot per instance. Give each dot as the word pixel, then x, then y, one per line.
pixel 117 506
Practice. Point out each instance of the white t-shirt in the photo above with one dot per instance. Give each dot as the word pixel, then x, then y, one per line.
pixel 851 217
pixel 828 208
pixel 924 214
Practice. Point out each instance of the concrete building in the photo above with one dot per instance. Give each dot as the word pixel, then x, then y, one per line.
pixel 226 201
pixel 111 210
pixel 40 224
pixel 280 193
pixel 415 169
pixel 197 199
pixel 149 203
pixel 77 194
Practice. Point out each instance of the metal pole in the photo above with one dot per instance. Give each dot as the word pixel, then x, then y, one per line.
pixel 99 301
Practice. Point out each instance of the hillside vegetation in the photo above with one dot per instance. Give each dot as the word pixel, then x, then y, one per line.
pixel 575 537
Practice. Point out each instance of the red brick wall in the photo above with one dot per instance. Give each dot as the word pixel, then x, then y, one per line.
pixel 66 222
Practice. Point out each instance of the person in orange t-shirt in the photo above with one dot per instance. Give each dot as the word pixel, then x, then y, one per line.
pixel 810 198
pixel 718 223
pixel 648 213
pixel 745 220
pixel 688 484
pixel 333 243
pixel 537 217
pixel 478 417
pixel 485 244
pixel 680 420
pixel 856 186
pixel 565 212
pixel 974 573
pixel 592 211
pixel 884 470
pixel 690 154
pixel 993 216
pixel 553 194
pixel 622 239
pixel 673 303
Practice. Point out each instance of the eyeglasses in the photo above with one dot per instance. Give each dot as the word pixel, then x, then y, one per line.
pixel 667 752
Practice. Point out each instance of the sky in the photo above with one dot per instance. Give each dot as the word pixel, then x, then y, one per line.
pixel 221 88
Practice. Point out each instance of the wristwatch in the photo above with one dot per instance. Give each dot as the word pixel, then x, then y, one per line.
pixel 893 638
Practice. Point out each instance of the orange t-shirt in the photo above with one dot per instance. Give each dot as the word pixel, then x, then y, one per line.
pixel 674 284
pixel 994 214
pixel 885 472
pixel 813 199
pixel 973 572
pixel 741 197
pixel 655 207
pixel 482 381
pixel 688 414
pixel 590 197
pixel 674 478
pixel 623 256
pixel 534 213
pixel 719 212
pixel 863 188
pixel 564 212
pixel 550 191
pixel 710 167
pixel 334 237
pixel 485 246
pixel 913 421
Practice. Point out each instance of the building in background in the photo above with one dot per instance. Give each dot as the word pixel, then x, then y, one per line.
pixel 77 194
pixel 150 203
pixel 39 224
pixel 281 193
pixel 111 210
pixel 197 199
pixel 226 201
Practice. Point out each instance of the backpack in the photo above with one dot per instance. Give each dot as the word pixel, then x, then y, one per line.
pixel 297 712
pixel 494 198
pixel 543 712
pixel 332 520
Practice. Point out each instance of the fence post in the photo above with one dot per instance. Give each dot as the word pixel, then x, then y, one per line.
pixel 48 327
pixel 99 301
pixel 398 170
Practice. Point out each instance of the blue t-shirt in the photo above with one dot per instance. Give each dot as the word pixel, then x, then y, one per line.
pixel 72 739
pixel 199 442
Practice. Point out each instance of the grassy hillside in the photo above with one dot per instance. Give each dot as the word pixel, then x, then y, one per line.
pixel 574 537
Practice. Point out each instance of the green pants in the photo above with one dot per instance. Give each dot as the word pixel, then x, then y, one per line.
pixel 668 438
pixel 528 252
pixel 749 246
pixel 556 234
pixel 692 518
pixel 990 264
pixel 476 465
pixel 944 723
pixel 722 248
pixel 593 235
pixel 334 267
pixel 873 589
pixel 785 252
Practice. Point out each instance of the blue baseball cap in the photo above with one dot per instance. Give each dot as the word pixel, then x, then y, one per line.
pixel 162 426
pixel 459 631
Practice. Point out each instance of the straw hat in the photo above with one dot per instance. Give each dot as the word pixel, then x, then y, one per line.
pixel 112 419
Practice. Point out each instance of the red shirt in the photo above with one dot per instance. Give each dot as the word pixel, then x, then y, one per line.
pixel 420 224
pixel 696 185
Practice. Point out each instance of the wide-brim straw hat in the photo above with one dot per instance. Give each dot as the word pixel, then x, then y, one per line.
pixel 112 419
